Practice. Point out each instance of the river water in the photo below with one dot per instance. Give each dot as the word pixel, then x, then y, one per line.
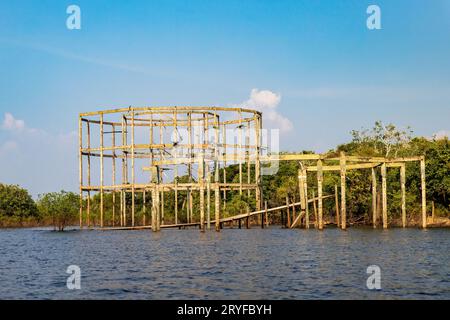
pixel 272 263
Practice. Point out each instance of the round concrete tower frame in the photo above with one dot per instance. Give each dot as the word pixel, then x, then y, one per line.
pixel 148 149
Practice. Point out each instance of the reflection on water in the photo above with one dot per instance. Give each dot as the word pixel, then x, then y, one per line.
pixel 234 264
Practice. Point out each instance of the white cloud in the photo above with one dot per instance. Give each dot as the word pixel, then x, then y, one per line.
pixel 442 134
pixel 35 159
pixel 267 102
pixel 11 123
pixel 263 99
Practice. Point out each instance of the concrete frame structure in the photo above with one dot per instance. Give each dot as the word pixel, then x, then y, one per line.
pixel 203 152
pixel 197 144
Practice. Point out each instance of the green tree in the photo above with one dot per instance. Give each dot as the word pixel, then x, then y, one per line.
pixel 16 202
pixel 62 207
pixel 385 140
pixel 239 204
pixel 389 141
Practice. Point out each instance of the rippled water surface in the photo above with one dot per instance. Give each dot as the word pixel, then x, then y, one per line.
pixel 272 263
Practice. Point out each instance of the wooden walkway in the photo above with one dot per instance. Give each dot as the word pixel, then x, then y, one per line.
pixel 227 219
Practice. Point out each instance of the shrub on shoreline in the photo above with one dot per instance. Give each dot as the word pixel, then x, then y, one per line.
pixel 62 207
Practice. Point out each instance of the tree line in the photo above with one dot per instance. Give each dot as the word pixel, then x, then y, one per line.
pixel 17 208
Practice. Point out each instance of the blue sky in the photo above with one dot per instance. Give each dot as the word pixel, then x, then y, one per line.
pixel 331 73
